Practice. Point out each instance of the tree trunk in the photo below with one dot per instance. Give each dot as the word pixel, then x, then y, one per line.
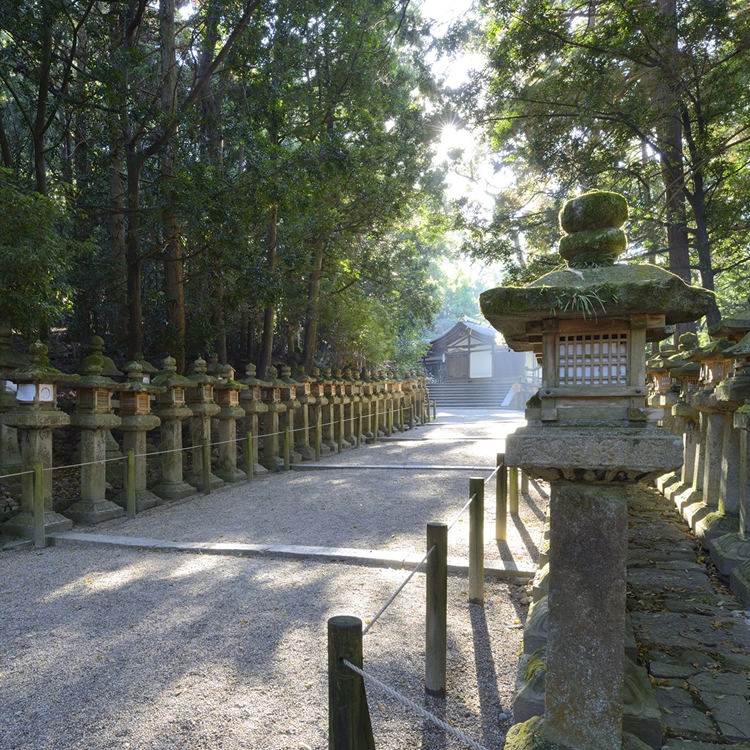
pixel 310 341
pixel 134 163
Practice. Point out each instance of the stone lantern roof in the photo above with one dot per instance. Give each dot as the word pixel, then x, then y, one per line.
pixel 91 368
pixel 734 327
pixel 593 286
pixel 40 370
pixel 250 377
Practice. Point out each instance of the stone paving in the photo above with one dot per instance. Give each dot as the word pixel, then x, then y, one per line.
pixel 691 631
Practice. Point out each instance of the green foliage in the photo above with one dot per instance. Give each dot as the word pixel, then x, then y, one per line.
pixel 34 255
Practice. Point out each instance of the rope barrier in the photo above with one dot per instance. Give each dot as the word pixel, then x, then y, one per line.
pixel 88 463
pixel 491 475
pixel 457 733
pixel 461 512
pixel 398 591
pixel 17 474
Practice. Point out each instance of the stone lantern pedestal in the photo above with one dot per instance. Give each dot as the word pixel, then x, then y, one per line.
pixel 200 401
pixel 589 436
pixel 34 417
pixel 228 396
pixel 136 420
pixel 95 418
pixel 172 410
pixel 251 400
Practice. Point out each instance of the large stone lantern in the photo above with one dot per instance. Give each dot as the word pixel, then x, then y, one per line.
pixel 95 417
pixel 136 420
pixel 172 409
pixel 228 393
pixel 590 437
pixel 35 415
pixel 251 400
pixel 201 402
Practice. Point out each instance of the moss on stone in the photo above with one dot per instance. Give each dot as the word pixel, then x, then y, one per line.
pixel 530 736
pixel 606 243
pixel 594 210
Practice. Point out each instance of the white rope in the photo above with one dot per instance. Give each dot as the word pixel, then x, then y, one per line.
pixel 492 475
pixel 398 590
pixel 414 707
pixel 461 512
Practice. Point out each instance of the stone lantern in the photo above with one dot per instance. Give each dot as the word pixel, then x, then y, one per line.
pixel 307 401
pixel 664 394
pixel 331 418
pixel 318 408
pixel 35 415
pixel 10 457
pixel 351 391
pixel 731 552
pixel 251 400
pixel 590 437
pixel 366 391
pixel 200 400
pixel 148 371
pixel 95 417
pixel 136 420
pixel 228 393
pixel 289 393
pixel 271 392
pixel 172 409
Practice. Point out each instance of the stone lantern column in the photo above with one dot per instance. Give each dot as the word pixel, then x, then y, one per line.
pixel 590 438
pixel 307 400
pixel 136 420
pixel 251 400
pixel 663 395
pixel 271 393
pixel 289 392
pixel 351 392
pixel 341 410
pixel 228 396
pixel 200 401
pixel 34 417
pixel 95 418
pixel 172 410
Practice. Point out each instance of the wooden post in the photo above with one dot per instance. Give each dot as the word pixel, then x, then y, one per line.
pixel 513 490
pixel 377 421
pixel 501 499
pixel 286 438
pixel 249 457
pixel 434 410
pixel 340 436
pixel 359 427
pixel 401 416
pixel 349 726
pixel 411 416
pixel 318 434
pixel 40 539
pixel 206 466
pixel 130 484
pixel 524 483
pixel 476 541
pixel 436 586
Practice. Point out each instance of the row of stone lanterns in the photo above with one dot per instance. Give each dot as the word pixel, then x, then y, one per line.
pixel 213 401
pixel 709 393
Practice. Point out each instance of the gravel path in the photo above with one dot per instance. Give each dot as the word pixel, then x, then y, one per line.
pixel 113 648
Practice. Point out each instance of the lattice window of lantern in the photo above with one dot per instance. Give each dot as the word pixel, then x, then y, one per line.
pixel 592 358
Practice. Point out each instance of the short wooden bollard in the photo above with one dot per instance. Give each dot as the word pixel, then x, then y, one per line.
pixel 524 483
pixel 286 441
pixel 349 726
pixel 249 462
pixel 434 410
pixel 513 490
pixel 377 421
pixel 501 499
pixel 476 541
pixel 411 416
pixel 206 466
pixel 401 417
pixel 130 484
pixel 436 616
pixel 40 539
pixel 359 428
pixel 340 436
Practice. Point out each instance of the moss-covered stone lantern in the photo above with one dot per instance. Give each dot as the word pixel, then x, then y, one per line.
pixel 10 456
pixel 228 392
pixel 172 409
pixel 200 400
pixel 95 417
pixel 34 416
pixel 136 421
pixel 271 390
pixel 302 421
pixel 318 408
pixel 251 400
pixel 289 392
pixel 590 438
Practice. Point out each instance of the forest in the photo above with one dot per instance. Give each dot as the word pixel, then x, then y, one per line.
pixel 259 178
